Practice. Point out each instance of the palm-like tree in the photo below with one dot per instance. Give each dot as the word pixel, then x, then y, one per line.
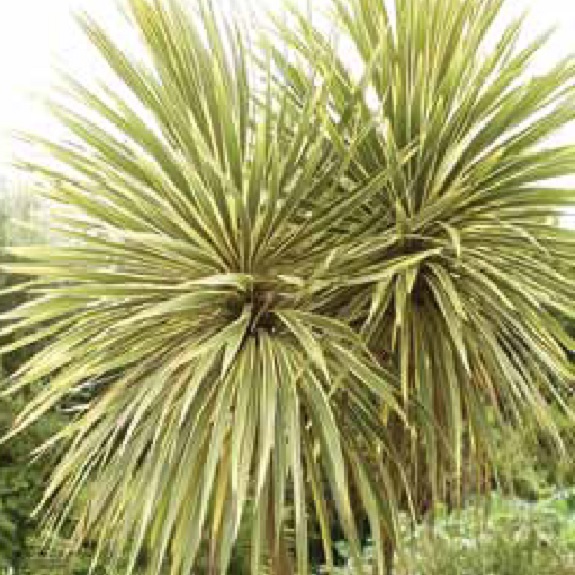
pixel 276 293
pixel 201 212
pixel 472 201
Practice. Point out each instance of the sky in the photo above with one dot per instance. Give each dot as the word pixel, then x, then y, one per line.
pixel 39 36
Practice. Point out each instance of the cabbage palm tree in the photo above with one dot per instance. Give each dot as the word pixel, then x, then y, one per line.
pixel 187 319
pixel 465 270
pixel 281 305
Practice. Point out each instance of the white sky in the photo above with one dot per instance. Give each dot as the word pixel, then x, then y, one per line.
pixel 36 36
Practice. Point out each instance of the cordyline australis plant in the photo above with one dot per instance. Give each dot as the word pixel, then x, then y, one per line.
pixel 470 216
pixel 291 308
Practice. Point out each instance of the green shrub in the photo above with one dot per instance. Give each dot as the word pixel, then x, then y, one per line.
pixel 504 536
pixel 516 539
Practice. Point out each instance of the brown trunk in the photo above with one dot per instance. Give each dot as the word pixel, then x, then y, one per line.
pixel 389 552
pixel 281 563
pixel 281 560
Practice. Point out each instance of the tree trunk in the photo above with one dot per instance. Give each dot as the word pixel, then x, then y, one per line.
pixel 281 563
pixel 281 560
pixel 389 552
